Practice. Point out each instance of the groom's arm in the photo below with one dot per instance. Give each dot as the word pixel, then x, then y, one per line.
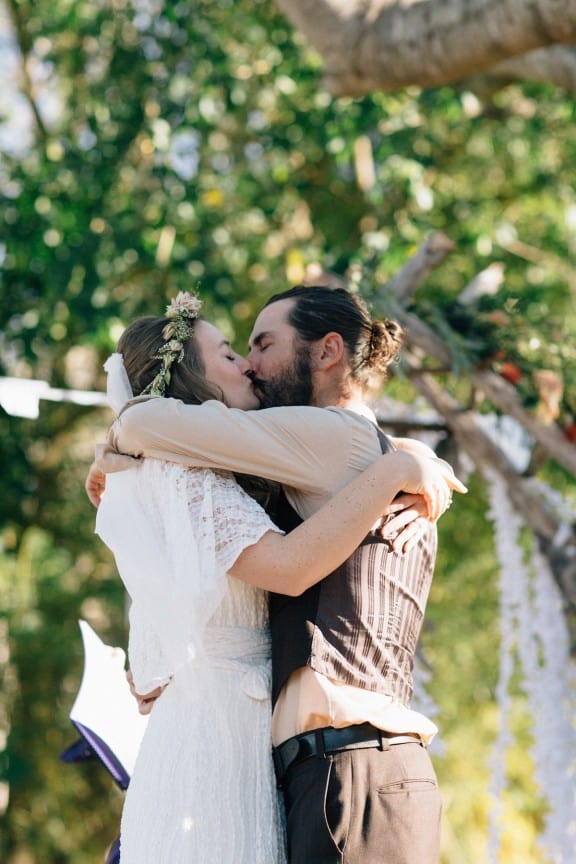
pixel 312 449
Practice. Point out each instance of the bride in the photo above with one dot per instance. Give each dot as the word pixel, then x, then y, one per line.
pixel 197 554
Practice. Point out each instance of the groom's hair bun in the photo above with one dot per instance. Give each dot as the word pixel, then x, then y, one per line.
pixel 372 344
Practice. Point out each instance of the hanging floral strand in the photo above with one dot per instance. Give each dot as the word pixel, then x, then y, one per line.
pixel 534 633
pixel 554 701
pixel 506 535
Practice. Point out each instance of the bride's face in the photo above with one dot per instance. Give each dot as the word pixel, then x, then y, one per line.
pixel 225 368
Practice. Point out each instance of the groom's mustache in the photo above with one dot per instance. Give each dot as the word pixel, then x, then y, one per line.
pixel 257 383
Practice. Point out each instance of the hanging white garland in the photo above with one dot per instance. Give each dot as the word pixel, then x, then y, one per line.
pixel 555 689
pixel 422 701
pixel 553 707
pixel 535 636
pixel 506 534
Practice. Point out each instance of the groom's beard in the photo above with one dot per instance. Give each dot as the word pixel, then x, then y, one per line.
pixel 293 386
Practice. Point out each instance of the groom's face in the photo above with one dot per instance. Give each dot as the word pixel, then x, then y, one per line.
pixel 280 362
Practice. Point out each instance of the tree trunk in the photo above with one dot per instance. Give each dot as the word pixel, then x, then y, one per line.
pixel 387 45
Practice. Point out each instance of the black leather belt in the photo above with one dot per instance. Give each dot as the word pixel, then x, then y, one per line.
pixel 321 742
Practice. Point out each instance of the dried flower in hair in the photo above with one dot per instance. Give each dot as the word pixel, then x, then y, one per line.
pixel 183 311
pixel 185 305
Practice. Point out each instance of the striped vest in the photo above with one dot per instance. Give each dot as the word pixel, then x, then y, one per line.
pixel 360 625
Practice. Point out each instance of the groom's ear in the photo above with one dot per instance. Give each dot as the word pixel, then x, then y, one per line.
pixel 328 351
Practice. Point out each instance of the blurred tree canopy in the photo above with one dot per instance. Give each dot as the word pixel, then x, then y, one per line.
pixel 147 147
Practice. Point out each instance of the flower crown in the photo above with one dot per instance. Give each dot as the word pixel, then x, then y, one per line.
pixel 182 311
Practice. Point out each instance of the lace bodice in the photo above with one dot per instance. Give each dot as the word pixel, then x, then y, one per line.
pixel 175 532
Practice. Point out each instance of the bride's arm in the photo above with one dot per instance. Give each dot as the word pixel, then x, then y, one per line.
pixel 288 564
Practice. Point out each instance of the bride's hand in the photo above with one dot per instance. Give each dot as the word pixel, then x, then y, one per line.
pixel 145 700
pixel 434 479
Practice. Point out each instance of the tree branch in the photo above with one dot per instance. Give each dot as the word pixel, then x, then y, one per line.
pixel 24 48
pixel 502 394
pixel 554 65
pixel 432 252
pixel 557 540
pixel 486 454
pixel 505 397
pixel 387 45
pixel 421 339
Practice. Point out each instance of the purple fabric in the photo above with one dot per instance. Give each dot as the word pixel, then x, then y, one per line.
pixel 113 856
pixel 91 746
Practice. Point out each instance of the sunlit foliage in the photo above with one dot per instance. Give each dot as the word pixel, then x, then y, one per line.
pixel 147 147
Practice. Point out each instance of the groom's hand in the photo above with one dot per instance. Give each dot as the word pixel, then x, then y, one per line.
pixel 405 521
pixel 95 484
pixel 107 461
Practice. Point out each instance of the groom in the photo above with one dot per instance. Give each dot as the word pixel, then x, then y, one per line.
pixel 358 782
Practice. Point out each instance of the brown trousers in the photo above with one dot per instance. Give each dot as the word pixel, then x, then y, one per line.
pixel 366 806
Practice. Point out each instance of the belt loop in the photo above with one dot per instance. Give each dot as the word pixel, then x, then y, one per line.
pixel 384 741
pixel 320 745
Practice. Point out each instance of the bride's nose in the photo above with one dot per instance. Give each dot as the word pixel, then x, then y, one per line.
pixel 243 365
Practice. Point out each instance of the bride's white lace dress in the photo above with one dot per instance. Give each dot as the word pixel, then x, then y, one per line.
pixel 203 789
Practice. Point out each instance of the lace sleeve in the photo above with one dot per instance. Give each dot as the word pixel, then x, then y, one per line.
pixel 228 517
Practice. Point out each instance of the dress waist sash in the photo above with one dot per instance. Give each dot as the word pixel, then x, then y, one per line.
pixel 243 650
